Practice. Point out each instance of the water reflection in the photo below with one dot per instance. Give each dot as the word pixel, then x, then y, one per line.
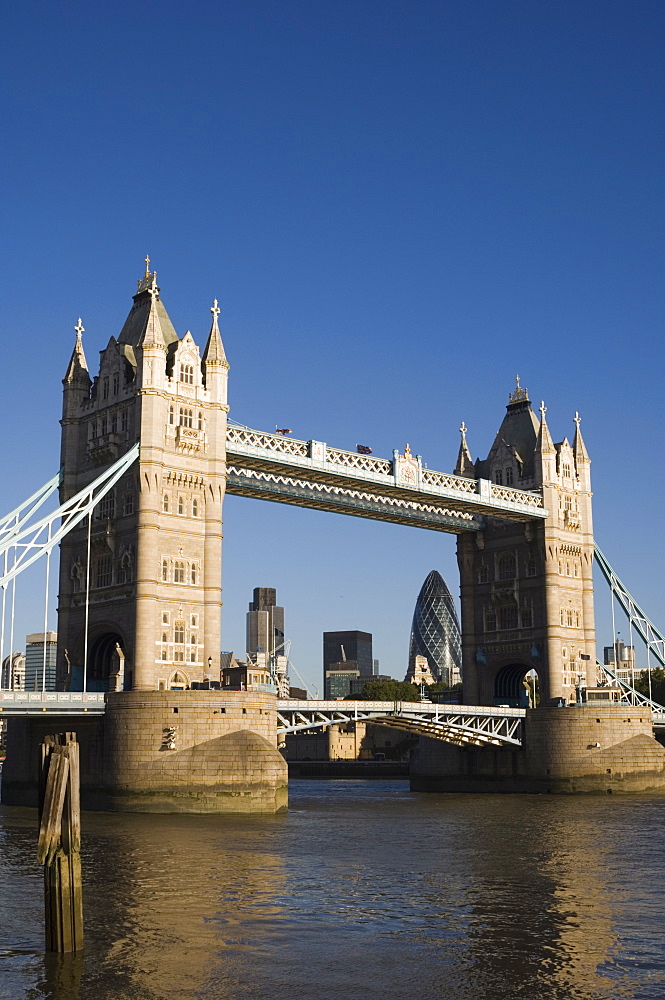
pixel 362 889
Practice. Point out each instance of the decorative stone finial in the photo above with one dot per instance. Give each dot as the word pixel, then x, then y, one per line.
pixel 519 395
pixel 463 429
pixel 407 451
pixel 214 308
pixel 577 418
pixel 148 282
pixel 543 409
pixel 79 328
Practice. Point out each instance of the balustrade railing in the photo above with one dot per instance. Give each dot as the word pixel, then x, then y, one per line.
pixel 446 481
pixel 515 496
pixel 365 463
pixel 271 442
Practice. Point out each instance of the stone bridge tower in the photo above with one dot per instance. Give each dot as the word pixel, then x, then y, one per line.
pixel 527 589
pixel 150 593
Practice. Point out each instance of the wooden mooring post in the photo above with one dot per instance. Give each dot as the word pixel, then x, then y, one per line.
pixel 59 846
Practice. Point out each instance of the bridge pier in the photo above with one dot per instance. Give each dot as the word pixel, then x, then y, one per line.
pixel 163 752
pixel 577 749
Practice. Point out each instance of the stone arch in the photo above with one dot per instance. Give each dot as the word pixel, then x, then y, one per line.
pixel 509 685
pixel 178 681
pixel 103 661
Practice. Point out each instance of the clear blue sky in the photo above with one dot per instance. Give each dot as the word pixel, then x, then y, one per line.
pixel 399 206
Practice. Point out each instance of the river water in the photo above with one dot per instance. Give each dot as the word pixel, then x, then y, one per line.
pixel 362 889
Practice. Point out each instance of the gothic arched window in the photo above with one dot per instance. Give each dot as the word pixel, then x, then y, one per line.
pixel 181 505
pixel 200 421
pixel 165 503
pixel 165 570
pixel 507 567
pixel 193 573
pixel 195 507
pixel 179 572
pixel 187 374
pixel 508 616
pixel 171 413
pixel 104 571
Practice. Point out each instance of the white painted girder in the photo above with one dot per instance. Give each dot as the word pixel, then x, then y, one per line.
pixel 475 725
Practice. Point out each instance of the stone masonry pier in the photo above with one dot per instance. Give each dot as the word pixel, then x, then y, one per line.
pixel 581 748
pixel 164 752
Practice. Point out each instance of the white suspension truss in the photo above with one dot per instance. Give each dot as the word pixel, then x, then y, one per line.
pixel 653 638
pixel 12 523
pixel 39 539
pixel 629 696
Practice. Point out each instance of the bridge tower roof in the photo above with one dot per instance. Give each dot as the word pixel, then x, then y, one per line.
pixel 518 433
pixel 147 317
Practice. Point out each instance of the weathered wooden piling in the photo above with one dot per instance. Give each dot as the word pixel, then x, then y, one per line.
pixel 59 846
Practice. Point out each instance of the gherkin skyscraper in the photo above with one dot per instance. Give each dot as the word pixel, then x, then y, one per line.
pixel 435 632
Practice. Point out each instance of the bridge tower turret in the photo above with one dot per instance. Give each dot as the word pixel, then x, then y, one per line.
pixel 144 611
pixel 527 589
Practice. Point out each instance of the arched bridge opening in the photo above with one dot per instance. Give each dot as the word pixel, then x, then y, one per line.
pixel 516 686
pixel 104 662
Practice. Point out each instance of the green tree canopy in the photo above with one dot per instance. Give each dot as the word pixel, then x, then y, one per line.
pixel 387 691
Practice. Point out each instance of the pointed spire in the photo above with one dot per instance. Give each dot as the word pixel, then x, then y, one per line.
pixel 214 349
pixel 579 448
pixel 77 370
pixel 464 466
pixel 153 335
pixel 544 443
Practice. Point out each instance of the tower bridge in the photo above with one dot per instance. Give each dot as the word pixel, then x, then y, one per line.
pixel 147 456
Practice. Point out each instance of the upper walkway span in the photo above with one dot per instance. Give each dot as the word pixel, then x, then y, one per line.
pixel 402 490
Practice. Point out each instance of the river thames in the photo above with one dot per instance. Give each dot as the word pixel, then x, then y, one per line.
pixel 362 889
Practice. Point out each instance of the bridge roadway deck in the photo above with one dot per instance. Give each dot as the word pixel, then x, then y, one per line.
pixel 477 724
pixel 311 474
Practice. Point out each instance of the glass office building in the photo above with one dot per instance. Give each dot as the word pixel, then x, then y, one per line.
pixel 435 632
pixel 350 650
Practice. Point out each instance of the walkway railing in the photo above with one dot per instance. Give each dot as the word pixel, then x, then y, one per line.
pixel 53 702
